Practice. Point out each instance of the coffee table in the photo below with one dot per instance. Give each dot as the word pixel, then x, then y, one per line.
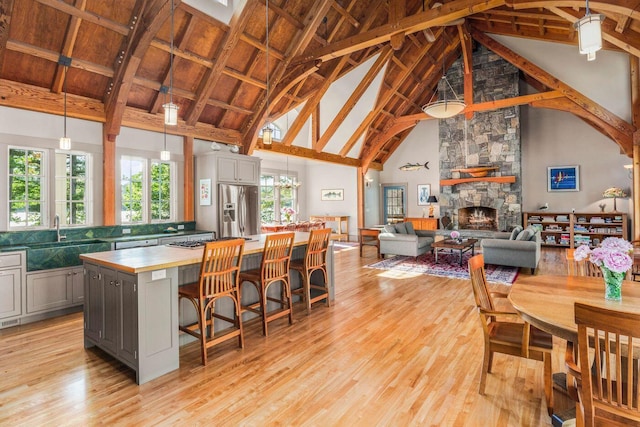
pixel 454 245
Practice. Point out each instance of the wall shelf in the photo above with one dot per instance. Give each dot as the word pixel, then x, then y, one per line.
pixel 499 179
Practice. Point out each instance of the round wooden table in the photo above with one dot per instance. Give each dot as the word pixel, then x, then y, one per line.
pixel 547 301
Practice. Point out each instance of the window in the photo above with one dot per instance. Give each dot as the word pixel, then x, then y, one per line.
pixel 277 192
pixel 71 188
pixel 132 178
pixel 147 190
pixel 161 191
pixel 27 185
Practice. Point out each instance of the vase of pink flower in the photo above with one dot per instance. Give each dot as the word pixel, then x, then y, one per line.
pixel 455 235
pixel 288 214
pixel 613 256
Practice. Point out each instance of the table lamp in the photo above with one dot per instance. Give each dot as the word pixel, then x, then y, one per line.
pixel 614 192
pixel 431 200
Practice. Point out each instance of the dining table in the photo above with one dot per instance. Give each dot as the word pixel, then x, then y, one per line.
pixel 547 302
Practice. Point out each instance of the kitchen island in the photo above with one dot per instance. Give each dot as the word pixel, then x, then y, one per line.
pixel 131 300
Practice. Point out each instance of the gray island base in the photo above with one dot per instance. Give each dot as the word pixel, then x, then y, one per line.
pixel 131 301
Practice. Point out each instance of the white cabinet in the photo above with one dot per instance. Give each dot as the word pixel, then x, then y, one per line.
pixel 11 272
pixel 238 170
pixel 54 289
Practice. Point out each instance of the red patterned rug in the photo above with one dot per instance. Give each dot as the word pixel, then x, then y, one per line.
pixel 448 266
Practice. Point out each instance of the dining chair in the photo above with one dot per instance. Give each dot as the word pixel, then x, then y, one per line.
pixel 605 383
pixel 315 259
pixel 219 275
pixel 580 268
pixel 274 268
pixel 506 333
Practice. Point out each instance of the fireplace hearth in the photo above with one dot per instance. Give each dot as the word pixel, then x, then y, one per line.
pixel 478 218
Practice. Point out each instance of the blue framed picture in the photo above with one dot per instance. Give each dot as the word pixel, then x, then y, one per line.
pixel 563 178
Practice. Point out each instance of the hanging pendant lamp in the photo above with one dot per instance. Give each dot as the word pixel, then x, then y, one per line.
pixel 589 33
pixel 444 107
pixel 65 141
pixel 267 131
pixel 171 109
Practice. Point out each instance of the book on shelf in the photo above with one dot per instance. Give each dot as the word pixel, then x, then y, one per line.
pixel 536 218
pixel 550 240
pixel 562 218
pixel 548 219
pixel 579 240
pixel 537 227
pixel 597 220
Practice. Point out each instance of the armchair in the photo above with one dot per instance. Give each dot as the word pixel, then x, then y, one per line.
pixel 403 239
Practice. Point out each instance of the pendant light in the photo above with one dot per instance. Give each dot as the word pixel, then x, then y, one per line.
pixel 267 131
pixel 171 109
pixel 589 33
pixel 289 184
pixel 65 141
pixel 443 107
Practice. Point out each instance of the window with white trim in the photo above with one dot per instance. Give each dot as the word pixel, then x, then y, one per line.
pixel 161 200
pixel 277 192
pixel 133 190
pixel 72 191
pixel 27 188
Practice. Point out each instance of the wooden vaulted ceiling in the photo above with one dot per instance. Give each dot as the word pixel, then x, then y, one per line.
pixel 119 54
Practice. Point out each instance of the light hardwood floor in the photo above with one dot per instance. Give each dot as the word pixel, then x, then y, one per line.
pixel 394 350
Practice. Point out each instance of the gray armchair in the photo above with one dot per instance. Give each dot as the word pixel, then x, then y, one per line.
pixel 520 248
pixel 402 239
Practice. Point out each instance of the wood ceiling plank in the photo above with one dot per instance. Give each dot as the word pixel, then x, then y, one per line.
pixel 433 17
pixel 70 38
pixel 83 15
pixel 212 76
pixel 6 9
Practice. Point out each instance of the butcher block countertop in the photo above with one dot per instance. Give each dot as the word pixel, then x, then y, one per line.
pixel 138 260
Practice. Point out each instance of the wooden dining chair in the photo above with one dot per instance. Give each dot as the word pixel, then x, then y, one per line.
pixel 606 384
pixel 219 278
pixel 504 331
pixel 274 268
pixel 315 259
pixel 582 267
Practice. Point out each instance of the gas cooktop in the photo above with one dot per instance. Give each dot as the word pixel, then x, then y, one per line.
pixel 195 244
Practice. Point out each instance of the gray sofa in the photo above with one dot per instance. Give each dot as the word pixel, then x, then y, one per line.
pixel 402 239
pixel 520 248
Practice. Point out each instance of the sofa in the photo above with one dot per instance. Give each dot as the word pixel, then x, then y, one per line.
pixel 519 248
pixel 403 239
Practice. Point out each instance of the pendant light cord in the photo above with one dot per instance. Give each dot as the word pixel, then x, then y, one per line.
pixel 64 88
pixel 171 58
pixel 267 58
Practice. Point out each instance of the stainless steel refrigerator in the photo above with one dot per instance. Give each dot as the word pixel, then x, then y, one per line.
pixel 239 210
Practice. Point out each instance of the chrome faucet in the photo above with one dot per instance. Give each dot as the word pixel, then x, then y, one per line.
pixel 56 224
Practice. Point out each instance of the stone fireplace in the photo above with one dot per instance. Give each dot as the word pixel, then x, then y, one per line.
pixel 478 218
pixel 488 139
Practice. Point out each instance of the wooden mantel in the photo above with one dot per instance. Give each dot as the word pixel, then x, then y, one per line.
pixel 500 179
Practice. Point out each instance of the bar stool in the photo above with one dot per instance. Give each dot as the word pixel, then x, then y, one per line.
pixel 219 278
pixel 274 268
pixel 315 258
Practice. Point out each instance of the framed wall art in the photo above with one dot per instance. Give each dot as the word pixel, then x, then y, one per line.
pixel 424 191
pixel 332 194
pixel 205 192
pixel 563 178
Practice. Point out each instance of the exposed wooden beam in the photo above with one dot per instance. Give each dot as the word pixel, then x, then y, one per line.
pixel 599 113
pixel 634 68
pixel 83 15
pixel 6 9
pixel 395 129
pixel 307 153
pixel 67 49
pixel 348 106
pixel 517 100
pixel 433 17
pixel 188 174
pixel 108 177
pixel 212 75
pixel 397 11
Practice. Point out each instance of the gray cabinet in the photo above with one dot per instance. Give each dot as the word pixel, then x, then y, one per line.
pixel 111 312
pixel 54 289
pixel 238 170
pixel 11 272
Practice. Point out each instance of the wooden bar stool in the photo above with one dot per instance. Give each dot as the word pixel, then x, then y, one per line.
pixel 274 268
pixel 315 258
pixel 219 278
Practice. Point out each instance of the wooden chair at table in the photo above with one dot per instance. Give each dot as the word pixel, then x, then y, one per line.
pixel 515 338
pixel 315 258
pixel 607 390
pixel 274 268
pixel 581 268
pixel 219 275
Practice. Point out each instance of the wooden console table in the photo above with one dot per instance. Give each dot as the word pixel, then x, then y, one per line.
pixel 429 223
pixel 339 232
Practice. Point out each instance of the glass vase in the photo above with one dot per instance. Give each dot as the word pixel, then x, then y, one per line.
pixel 612 284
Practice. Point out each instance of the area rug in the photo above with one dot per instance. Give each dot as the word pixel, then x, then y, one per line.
pixel 448 266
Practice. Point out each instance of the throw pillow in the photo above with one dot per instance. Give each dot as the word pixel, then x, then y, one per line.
pixel 514 233
pixel 389 229
pixel 409 227
pixel 401 228
pixel 524 234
